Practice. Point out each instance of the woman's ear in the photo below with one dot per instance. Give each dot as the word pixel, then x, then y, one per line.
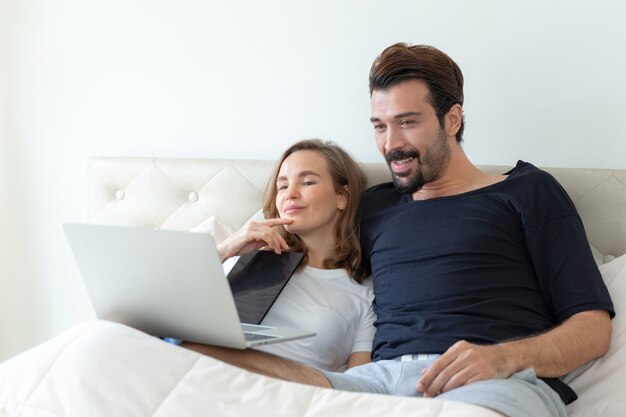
pixel 342 200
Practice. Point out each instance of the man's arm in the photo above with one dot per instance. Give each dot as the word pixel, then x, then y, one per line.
pixel 582 337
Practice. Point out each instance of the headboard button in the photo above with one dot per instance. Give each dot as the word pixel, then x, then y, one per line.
pixel 193 196
pixel 120 195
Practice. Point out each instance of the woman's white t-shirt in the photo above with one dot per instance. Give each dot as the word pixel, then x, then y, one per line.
pixel 331 304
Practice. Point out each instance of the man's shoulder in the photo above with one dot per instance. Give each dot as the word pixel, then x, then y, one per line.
pixel 523 168
pixel 381 195
pixel 538 194
pixel 380 189
pixel 527 175
pixel 377 203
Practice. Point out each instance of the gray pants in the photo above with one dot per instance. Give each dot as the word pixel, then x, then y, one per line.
pixel 520 395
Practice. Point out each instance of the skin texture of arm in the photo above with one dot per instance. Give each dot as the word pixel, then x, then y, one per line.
pixel 359 358
pixel 263 363
pixel 270 365
pixel 582 337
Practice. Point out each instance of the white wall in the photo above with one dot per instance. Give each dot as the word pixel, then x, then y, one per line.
pixel 245 78
pixel 23 299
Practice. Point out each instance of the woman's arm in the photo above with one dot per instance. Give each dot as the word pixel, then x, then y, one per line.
pixel 359 358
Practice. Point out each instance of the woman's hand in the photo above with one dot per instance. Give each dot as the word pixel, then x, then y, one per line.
pixel 253 236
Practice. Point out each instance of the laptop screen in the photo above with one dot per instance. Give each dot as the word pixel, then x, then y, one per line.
pixel 257 279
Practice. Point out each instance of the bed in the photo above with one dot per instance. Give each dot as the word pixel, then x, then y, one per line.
pixel 99 368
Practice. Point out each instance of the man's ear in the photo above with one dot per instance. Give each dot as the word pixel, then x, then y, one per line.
pixel 453 119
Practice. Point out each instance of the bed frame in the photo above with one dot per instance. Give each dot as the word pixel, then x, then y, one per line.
pixel 182 193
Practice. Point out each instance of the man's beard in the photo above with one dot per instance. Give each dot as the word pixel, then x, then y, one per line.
pixel 434 161
pixel 406 182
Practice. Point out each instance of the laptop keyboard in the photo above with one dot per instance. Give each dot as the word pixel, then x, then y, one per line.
pixel 250 337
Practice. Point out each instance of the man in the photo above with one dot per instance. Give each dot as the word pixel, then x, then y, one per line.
pixel 482 282
pixel 494 272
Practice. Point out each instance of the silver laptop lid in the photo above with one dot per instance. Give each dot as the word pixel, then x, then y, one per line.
pixel 166 283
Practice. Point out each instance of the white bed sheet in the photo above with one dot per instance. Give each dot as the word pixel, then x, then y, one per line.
pixel 101 368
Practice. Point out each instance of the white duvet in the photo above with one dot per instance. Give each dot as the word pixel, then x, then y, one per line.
pixel 104 369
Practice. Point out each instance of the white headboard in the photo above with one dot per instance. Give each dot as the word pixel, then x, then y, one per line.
pixel 180 194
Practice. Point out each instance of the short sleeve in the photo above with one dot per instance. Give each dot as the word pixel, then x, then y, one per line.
pixel 558 247
pixel 364 334
pixel 566 270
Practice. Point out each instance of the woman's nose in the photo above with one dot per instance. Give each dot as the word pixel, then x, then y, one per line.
pixel 292 192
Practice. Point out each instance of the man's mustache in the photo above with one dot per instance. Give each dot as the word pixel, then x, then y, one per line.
pixel 398 155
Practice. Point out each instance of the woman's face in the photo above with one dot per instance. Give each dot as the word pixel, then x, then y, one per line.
pixel 306 194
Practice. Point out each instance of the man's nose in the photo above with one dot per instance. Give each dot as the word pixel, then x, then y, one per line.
pixel 393 140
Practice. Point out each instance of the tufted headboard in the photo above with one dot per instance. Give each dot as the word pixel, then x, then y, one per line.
pixel 182 193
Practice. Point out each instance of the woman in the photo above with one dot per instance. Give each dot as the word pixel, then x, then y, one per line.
pixel 310 206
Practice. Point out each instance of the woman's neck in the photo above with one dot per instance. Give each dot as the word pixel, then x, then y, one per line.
pixel 318 250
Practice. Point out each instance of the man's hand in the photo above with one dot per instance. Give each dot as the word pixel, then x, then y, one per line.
pixel 462 364
pixel 582 337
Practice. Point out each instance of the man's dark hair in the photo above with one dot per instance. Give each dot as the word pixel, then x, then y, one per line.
pixel 401 62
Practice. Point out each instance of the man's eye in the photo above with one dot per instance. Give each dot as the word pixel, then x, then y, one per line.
pixel 406 122
pixel 379 127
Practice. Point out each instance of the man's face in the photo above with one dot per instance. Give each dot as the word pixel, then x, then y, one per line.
pixel 409 135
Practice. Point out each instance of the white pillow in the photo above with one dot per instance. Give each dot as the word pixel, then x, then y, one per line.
pixel 256 217
pixel 221 231
pixel 600 387
pixel 217 229
pixel 597 256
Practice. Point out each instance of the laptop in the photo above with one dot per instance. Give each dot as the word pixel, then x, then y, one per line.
pixel 257 279
pixel 165 283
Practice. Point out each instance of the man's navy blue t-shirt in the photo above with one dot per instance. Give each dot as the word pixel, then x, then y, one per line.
pixel 498 263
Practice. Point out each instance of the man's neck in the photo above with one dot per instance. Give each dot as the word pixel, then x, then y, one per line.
pixel 458 177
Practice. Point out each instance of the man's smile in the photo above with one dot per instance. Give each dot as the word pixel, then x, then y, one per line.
pixel 400 166
pixel 401 162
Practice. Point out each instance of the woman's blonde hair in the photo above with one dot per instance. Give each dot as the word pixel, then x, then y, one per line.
pixel 349 180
